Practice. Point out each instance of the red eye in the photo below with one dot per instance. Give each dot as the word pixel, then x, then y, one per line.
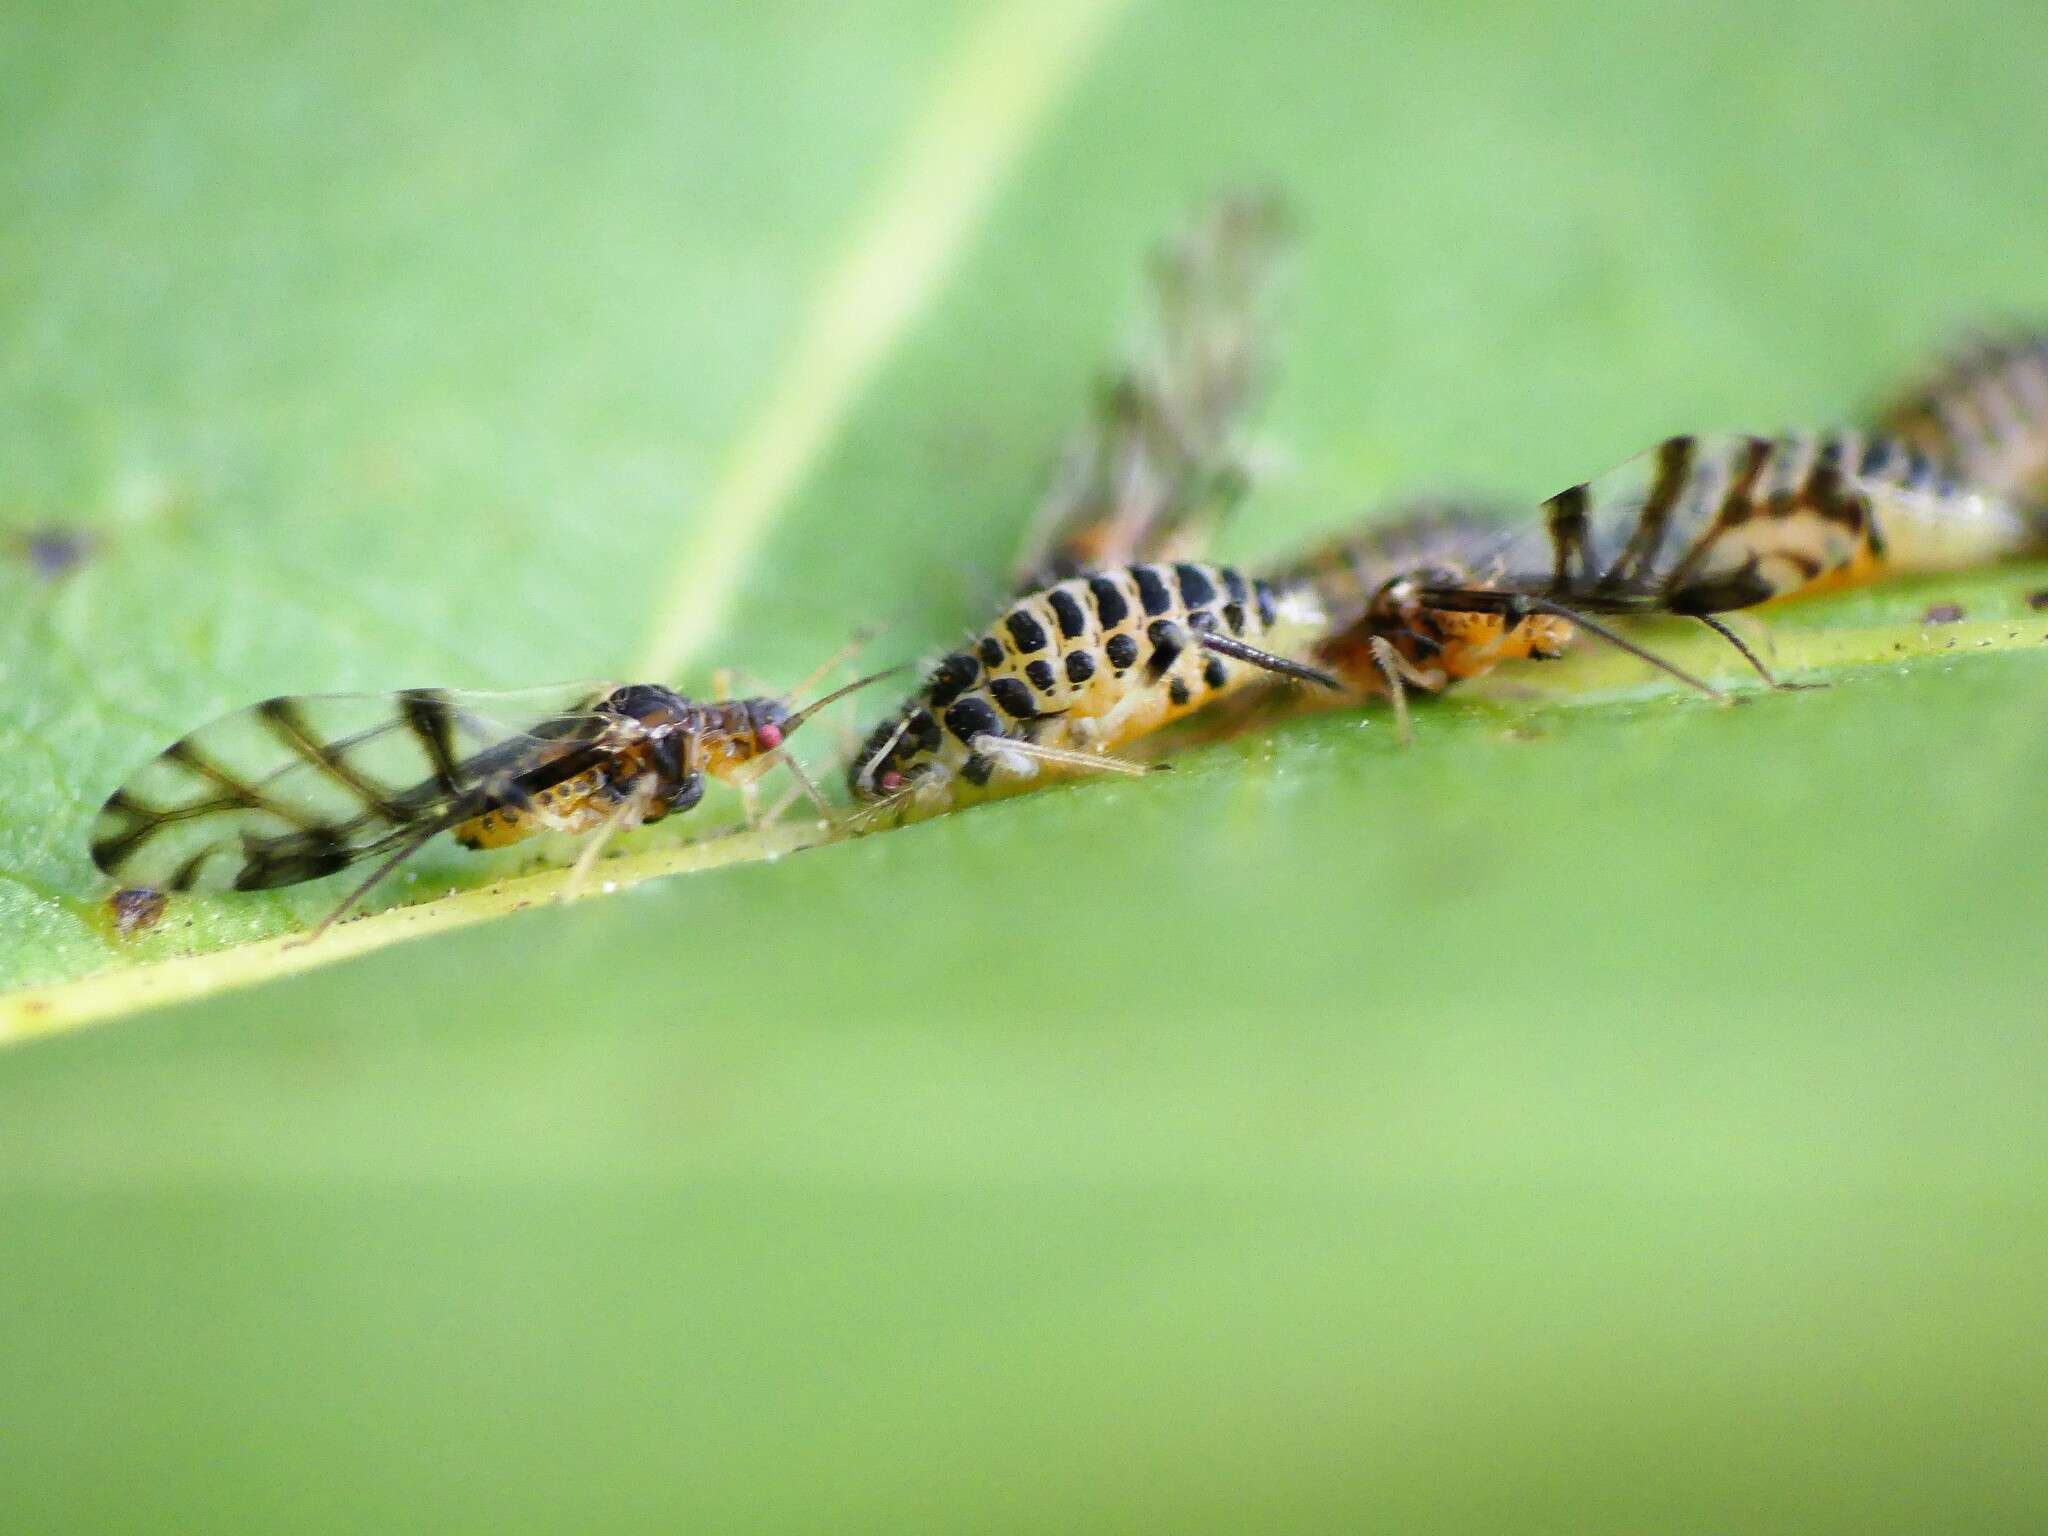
pixel 769 736
pixel 891 780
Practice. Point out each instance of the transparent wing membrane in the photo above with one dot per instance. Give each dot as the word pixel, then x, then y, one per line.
pixel 1164 458
pixel 294 788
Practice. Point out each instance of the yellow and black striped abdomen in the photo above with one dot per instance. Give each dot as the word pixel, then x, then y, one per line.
pixel 1086 664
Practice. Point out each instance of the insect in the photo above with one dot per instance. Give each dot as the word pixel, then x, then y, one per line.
pixel 1163 459
pixel 1984 414
pixel 1068 674
pixel 298 788
pixel 1696 527
pixel 135 908
pixel 1383 636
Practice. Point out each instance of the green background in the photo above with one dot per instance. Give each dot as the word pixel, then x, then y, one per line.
pixel 1613 1113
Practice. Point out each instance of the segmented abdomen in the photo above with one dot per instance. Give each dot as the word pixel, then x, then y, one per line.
pixel 1985 415
pixel 1090 662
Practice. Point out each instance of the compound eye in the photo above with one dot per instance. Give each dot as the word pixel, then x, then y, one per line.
pixel 769 736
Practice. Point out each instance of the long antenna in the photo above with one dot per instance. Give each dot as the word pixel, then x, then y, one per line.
pixel 835 695
pixel 838 658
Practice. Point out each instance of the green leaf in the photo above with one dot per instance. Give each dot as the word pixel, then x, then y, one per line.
pixel 1613 1111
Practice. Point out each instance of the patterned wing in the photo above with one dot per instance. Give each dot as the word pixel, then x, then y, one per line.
pixel 295 788
pixel 1699 525
pixel 1163 459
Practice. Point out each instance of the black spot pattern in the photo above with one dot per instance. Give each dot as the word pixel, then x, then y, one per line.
pixel 1080 667
pixel 1122 652
pixel 1026 631
pixel 1041 675
pixel 1066 608
pixel 1151 589
pixel 951 678
pixel 1110 607
pixel 1013 698
pixel 972 717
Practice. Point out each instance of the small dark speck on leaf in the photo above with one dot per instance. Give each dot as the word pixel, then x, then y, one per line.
pixel 2038 600
pixel 53 552
pixel 135 908
pixel 1522 733
pixel 1943 613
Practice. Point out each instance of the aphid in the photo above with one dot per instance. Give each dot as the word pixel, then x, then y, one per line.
pixel 1984 415
pixel 1696 527
pixel 294 789
pixel 1164 457
pixel 1068 674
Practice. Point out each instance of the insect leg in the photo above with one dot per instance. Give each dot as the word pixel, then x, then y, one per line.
pixel 991 745
pixel 1398 672
pixel 1750 656
pixel 804 788
pixel 409 845
pixel 1520 607
pixel 631 810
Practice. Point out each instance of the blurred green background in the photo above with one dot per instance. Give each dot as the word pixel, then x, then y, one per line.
pixel 1615 1113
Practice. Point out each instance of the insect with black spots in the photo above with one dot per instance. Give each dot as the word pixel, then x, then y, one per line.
pixel 1164 458
pixel 298 788
pixel 1068 674
pixel 1696 527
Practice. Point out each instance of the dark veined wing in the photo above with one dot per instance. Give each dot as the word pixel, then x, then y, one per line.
pixel 1703 525
pixel 1163 458
pixel 298 787
pixel 1464 539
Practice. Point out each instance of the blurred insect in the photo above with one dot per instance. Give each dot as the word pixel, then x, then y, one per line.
pixel 52 552
pixel 1697 527
pixel 294 789
pixel 1983 414
pixel 1070 673
pixel 1163 459
pixel 135 908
